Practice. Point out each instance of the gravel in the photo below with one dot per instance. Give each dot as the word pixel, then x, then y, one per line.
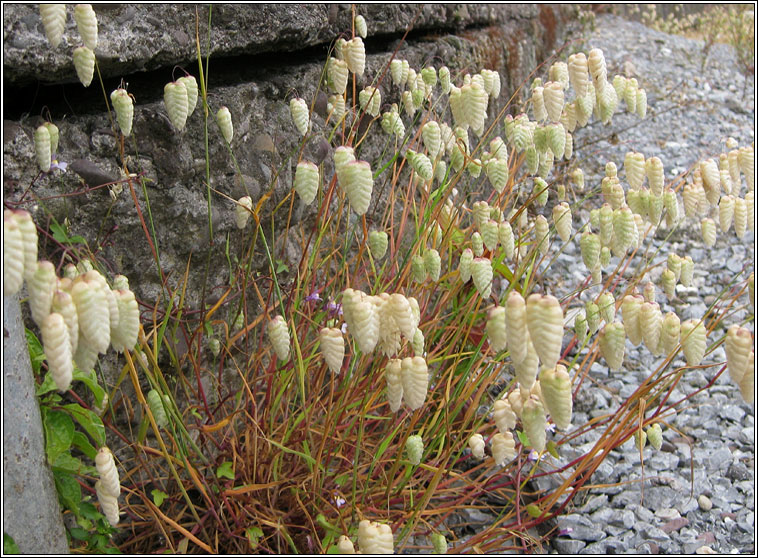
pixel 691 112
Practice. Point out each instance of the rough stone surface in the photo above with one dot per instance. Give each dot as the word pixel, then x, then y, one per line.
pixel 35 524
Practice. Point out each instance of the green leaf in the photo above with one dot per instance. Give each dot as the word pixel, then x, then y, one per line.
pixel 60 234
pixel 9 545
pixel 89 421
pixel 281 267
pixel 225 471
pixel 36 352
pixel 523 438
pixel 553 449
pixel 59 434
pixel 79 534
pixel 82 442
pixel 334 549
pixel 88 511
pixel 47 385
pixel 253 534
pixel 69 491
pixel 533 510
pixel 90 380
pixel 66 462
pixel 158 496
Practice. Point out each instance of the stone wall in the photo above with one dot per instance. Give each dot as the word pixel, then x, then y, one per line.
pixel 260 56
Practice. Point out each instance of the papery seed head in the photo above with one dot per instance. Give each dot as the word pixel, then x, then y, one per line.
pixel 278 334
pixel 611 341
pixel 693 340
pixel 476 444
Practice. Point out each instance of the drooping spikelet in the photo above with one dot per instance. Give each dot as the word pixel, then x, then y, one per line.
pixel 693 340
pixel 740 217
pixel 496 332
pixel 13 255
pixel 634 167
pixel 190 84
pixel 86 23
pixel 108 504
pixel 354 53
pixel 708 230
pixel 176 99
pixel 516 326
pixel 41 286
pixel 738 345
pixel 553 96
pixel 156 404
pixel 54 22
pixel 393 375
pixel 242 211
pixel 124 334
pixel 224 119
pixel 578 73
pixel 611 341
pixel 670 332
pixel 377 243
pixel 555 384
pixel 481 272
pixel 370 99
pixel 503 448
pixel 279 335
pixel 502 413
pixel 359 184
pixel 364 325
pixel 630 313
pixel 542 234
pixel 526 370
pixel 124 107
pixel 562 220
pixel 332 348
pixel 300 115
pixel 651 322
pixel 57 346
pixel 534 421
pixel 590 248
pixel 42 148
pixel 476 444
pixel 415 377
pixel 544 318
pixel 306 181
pixel 414 447
pixel 106 467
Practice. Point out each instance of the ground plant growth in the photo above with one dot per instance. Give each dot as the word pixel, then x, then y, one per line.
pixel 420 361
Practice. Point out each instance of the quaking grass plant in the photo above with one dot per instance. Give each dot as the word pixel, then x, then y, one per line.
pixel 414 366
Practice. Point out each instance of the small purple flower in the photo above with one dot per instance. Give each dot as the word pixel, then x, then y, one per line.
pixel 533 456
pixel 333 308
pixel 313 297
pixel 550 428
pixel 338 500
pixel 565 531
pixel 60 165
pixel 343 329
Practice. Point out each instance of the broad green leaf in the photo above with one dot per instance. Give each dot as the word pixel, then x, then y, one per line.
pixel 78 533
pixel 60 234
pixel 69 491
pixel 47 385
pixel 89 421
pixel 225 471
pixel 59 434
pixel 533 510
pixel 158 496
pixel 253 534
pixel 90 380
pixel 82 442
pixel 9 545
pixel 66 462
pixel 36 352
pixel 88 511
pixel 553 449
